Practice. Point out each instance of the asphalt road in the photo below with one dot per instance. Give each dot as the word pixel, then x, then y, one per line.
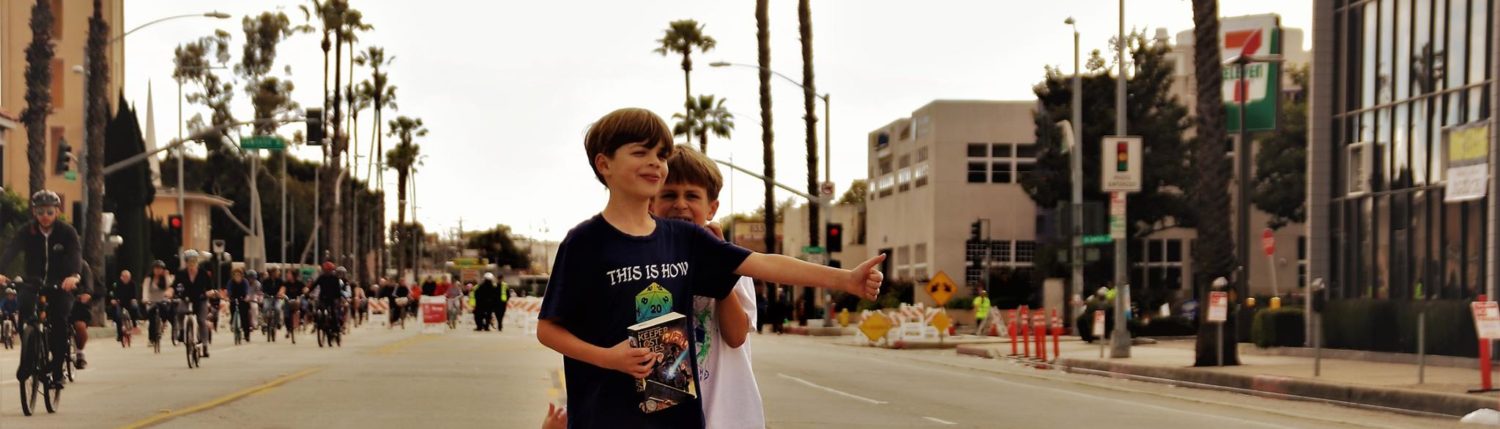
pixel 461 378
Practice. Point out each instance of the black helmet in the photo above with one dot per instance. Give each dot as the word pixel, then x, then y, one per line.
pixel 44 198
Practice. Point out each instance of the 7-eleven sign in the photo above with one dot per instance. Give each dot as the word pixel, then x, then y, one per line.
pixel 1256 35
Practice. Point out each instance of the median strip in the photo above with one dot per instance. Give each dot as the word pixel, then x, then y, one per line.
pixel 169 415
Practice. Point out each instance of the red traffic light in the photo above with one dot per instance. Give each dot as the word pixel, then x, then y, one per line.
pixel 834 231
pixel 175 221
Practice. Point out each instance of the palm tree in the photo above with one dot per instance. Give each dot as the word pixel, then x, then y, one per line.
pixel 1212 257
pixel 95 119
pixel 804 19
pixel 403 158
pixel 763 42
pixel 38 93
pixel 382 96
pixel 342 23
pixel 682 37
pixel 704 116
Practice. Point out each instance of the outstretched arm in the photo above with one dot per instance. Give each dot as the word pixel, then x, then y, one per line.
pixel 863 281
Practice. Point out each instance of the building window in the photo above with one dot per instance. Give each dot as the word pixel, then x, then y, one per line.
pixel 903 176
pixel 1025 251
pixel 977 172
pixel 919 174
pixel 58 96
pixel 57 20
pixel 1004 162
pixel 1000 172
pixel 921 154
pixel 978 150
pixel 1162 267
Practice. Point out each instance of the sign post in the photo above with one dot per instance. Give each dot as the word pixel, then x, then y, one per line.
pixel 1099 330
pixel 1487 325
pixel 1218 312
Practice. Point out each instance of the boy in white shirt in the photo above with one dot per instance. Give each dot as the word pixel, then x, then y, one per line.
pixel 730 396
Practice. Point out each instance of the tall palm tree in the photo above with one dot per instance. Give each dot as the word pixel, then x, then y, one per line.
pixel 382 96
pixel 682 37
pixel 403 158
pixel 38 93
pixel 357 102
pixel 705 115
pixel 95 119
pixel 1212 256
pixel 763 42
pixel 804 20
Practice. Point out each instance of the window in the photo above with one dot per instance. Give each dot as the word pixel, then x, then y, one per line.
pixel 1025 150
pixel 1162 267
pixel 57 20
pixel 919 174
pixel 1025 251
pixel 977 150
pixel 1024 169
pixel 57 84
pixel 903 180
pixel 1000 172
pixel 1000 150
pixel 921 154
pixel 977 172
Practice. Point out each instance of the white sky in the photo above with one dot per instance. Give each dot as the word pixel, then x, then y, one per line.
pixel 507 88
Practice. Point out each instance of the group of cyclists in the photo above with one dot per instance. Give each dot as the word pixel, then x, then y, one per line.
pixel 47 306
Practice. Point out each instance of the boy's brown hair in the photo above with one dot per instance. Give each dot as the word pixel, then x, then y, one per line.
pixel 691 167
pixel 622 127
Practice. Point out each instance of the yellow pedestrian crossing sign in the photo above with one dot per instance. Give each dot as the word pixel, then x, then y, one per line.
pixel 941 288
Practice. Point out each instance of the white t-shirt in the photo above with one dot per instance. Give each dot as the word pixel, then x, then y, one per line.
pixel 730 396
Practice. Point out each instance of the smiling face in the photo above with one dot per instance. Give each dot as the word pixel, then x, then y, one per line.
pixel 686 202
pixel 637 169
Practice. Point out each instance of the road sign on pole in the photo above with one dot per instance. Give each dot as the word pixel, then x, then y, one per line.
pixel 1268 241
pixel 263 142
pixel 941 288
pixel 826 189
pixel 1218 307
pixel 1120 164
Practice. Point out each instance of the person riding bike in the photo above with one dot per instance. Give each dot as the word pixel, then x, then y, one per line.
pixel 53 263
pixel 124 297
pixel 396 294
pixel 193 285
pixel 270 290
pixel 157 300
pixel 238 289
pixel 9 306
pixel 330 290
pixel 292 291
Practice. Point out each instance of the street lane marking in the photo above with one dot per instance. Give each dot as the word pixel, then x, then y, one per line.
pixel 169 415
pixel 403 343
pixel 831 390
pixel 940 421
pixel 1089 396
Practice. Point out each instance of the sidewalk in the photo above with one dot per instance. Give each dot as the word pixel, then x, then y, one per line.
pixel 1367 383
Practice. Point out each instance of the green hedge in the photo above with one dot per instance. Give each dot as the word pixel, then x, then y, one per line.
pixel 1391 326
pixel 1281 327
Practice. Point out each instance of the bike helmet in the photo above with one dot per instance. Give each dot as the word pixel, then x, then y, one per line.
pixel 10 291
pixel 251 274
pixel 327 266
pixel 44 198
pixel 158 264
pixel 190 254
pixel 341 271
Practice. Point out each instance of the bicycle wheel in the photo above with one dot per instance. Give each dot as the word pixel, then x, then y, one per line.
pixel 190 342
pixel 33 343
pixel 234 323
pixel 52 398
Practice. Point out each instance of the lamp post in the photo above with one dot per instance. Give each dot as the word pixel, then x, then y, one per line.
pixel 1120 341
pixel 1075 159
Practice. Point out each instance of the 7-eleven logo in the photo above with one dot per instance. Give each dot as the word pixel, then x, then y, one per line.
pixel 1246 42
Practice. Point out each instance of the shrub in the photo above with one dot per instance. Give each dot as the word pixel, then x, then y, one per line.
pixel 1281 327
pixel 1391 326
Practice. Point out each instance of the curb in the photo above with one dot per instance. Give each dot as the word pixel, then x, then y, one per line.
pixel 1456 405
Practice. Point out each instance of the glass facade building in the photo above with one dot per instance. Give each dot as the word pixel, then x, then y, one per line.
pixel 1390 78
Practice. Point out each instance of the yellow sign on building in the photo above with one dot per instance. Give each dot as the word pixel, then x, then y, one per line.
pixel 941 288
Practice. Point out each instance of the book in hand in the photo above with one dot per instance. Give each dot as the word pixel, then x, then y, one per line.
pixel 671 381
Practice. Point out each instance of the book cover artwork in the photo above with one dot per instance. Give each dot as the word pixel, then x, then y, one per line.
pixel 671 380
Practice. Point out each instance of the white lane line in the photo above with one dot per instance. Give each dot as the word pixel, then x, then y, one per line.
pixel 832 390
pixel 940 421
pixel 1100 399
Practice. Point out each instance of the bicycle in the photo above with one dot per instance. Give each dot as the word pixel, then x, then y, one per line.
pixel 124 324
pixel 189 335
pixel 453 313
pixel 234 321
pixel 270 319
pixel 153 336
pixel 329 332
pixel 400 310
pixel 36 380
pixel 7 333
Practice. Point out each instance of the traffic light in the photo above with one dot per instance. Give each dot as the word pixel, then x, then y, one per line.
pixel 974 229
pixel 1122 156
pixel 835 239
pixel 65 157
pixel 315 132
pixel 174 228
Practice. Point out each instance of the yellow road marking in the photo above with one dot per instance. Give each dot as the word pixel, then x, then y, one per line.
pixel 398 345
pixel 166 415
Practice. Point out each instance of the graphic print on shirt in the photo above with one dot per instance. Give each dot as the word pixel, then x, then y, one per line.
pixel 655 301
pixel 703 333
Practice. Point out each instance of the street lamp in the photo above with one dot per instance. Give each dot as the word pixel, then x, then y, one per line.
pixel 214 14
pixel 1075 159
pixel 826 110
pixel 1242 169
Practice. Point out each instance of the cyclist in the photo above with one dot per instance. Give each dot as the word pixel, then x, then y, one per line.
pixel 292 291
pixel 193 285
pixel 82 316
pixel 396 294
pixel 330 289
pixel 53 258
pixel 124 297
pixel 238 290
pixel 157 300
pixel 9 305
pixel 270 290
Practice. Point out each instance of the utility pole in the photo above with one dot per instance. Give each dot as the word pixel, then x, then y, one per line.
pixel 1120 341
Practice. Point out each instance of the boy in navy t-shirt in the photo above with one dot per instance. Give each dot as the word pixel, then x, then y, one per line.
pixel 624 266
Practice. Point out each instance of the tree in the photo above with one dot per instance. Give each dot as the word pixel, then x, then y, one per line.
pixel 130 189
pixel 403 158
pixel 342 23
pixel 704 115
pixel 95 119
pixel 809 92
pixel 382 95
pixel 1213 256
pixel 763 56
pixel 1281 163
pixel 1153 114
pixel 497 245
pixel 38 93
pixel 682 37
pixel 856 193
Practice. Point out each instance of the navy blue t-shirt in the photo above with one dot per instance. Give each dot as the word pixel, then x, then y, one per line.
pixel 604 280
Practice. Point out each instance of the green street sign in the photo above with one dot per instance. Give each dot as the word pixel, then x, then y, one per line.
pixel 1097 239
pixel 812 250
pixel 71 175
pixel 263 142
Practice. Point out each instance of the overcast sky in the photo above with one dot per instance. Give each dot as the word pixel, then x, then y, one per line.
pixel 508 88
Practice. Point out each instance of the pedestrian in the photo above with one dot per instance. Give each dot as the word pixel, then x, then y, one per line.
pixel 981 311
pixel 484 296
